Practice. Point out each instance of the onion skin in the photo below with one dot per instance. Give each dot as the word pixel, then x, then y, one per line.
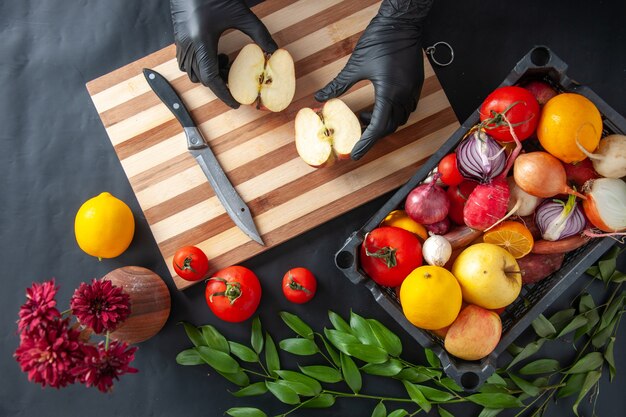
pixel 486 204
pixel 427 203
pixel 480 157
pixel 606 197
pixel 542 175
pixel 439 228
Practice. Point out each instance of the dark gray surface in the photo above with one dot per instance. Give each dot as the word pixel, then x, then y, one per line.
pixel 55 155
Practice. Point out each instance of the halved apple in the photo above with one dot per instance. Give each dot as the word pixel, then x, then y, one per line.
pixel 268 80
pixel 327 134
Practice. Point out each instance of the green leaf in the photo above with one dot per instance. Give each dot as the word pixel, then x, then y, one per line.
pixel 413 375
pixel 593 270
pixel 321 401
pixel 367 353
pixel 214 339
pixel 193 334
pixel 432 358
pixel 495 400
pixel 271 355
pixel 540 366
pixel 258 388
pixel 593 317
pixel 297 346
pixel 496 380
pixel 590 380
pixel 218 360
pixel 362 330
pixel 189 357
pixel 386 338
pixel 245 412
pixel 528 350
pixel 449 383
pixel 434 394
pixel 573 385
pixel 541 382
pixel 618 277
pixel 351 373
pixel 611 310
pixel 399 413
pixel 610 358
pixel 239 378
pixel 417 396
pixel 607 267
pixel 297 325
pixel 560 319
pixel 604 335
pixel 390 368
pixel 282 392
pixel 589 362
pixel 322 373
pixel 586 303
pixel 334 356
pixel 298 387
pixel 493 389
pixel 243 352
pixel 525 386
pixel 543 327
pixel 257 335
pixel 490 412
pixel 514 350
pixel 340 339
pixel 576 323
pixel 380 410
pixel 443 412
pixel 297 377
pixel 339 323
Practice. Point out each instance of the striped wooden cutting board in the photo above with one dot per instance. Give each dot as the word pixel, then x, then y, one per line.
pixel 256 148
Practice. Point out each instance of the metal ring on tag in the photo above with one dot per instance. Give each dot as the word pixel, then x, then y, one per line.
pixel 431 51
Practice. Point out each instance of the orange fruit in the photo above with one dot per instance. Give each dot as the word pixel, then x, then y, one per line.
pixel 431 297
pixel 104 226
pixel 566 119
pixel 512 236
pixel 399 218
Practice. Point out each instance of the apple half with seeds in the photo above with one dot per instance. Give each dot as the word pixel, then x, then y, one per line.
pixel 268 80
pixel 327 134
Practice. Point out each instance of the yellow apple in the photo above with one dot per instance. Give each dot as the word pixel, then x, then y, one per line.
pixel 489 275
pixel 474 334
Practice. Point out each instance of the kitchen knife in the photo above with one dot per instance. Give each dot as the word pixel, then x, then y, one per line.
pixel 200 150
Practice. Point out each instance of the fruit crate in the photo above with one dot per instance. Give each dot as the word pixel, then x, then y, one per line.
pixel 540 63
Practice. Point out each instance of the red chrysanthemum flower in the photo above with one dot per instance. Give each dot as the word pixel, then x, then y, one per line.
pixel 100 305
pixel 101 366
pixel 49 354
pixel 40 307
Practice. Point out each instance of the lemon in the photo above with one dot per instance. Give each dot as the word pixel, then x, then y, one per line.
pixel 430 297
pixel 104 226
pixel 399 218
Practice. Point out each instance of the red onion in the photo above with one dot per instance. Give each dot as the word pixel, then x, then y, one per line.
pixel 439 228
pixel 427 203
pixel 557 220
pixel 480 157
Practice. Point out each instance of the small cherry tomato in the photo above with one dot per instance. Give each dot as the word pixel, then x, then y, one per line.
pixel 450 174
pixel 233 293
pixel 299 285
pixel 190 263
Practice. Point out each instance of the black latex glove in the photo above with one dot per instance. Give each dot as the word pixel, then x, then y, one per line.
pixel 198 25
pixel 389 54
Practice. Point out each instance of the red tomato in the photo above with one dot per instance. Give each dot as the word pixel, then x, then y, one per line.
pixel 516 104
pixel 233 293
pixel 190 263
pixel 389 254
pixel 450 174
pixel 458 197
pixel 299 285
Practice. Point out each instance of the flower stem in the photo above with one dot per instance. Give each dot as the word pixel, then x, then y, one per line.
pixel 106 341
pixel 68 311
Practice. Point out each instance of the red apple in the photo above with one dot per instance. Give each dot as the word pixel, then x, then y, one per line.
pixel 474 334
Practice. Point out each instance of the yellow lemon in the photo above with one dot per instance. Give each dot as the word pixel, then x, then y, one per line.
pixel 104 226
pixel 430 297
pixel 566 121
pixel 399 218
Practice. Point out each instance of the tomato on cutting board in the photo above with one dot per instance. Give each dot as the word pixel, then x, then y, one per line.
pixel 515 104
pixel 233 293
pixel 299 285
pixel 190 263
pixel 389 254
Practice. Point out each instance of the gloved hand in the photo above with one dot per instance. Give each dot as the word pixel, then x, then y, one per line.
pixel 389 54
pixel 198 25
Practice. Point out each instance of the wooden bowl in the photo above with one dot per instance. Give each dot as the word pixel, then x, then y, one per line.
pixel 150 303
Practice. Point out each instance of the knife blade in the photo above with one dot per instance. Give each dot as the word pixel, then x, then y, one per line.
pixel 200 150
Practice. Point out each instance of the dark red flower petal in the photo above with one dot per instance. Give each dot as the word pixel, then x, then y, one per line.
pixel 100 305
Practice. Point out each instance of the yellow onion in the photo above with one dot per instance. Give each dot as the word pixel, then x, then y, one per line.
pixel 605 205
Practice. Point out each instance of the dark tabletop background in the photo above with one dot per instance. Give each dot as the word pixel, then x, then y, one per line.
pixel 55 154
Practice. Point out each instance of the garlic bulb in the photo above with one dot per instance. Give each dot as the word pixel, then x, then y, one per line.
pixel 436 250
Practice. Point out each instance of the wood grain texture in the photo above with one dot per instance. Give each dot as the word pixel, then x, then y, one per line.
pixel 256 148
